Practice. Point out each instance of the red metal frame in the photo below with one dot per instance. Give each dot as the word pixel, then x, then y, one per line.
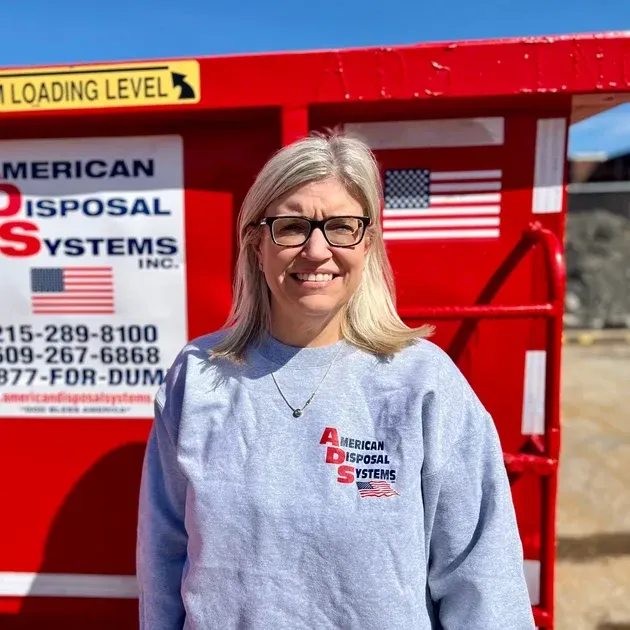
pixel 545 462
pixel 550 67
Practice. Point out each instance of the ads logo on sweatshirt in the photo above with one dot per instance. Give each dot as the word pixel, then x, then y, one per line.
pixel 342 452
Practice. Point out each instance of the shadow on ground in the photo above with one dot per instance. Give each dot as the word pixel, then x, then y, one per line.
pixel 587 548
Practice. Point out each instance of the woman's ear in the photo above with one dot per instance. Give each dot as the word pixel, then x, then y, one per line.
pixel 368 239
pixel 257 247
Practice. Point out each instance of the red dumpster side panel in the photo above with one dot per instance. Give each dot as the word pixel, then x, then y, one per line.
pixel 73 505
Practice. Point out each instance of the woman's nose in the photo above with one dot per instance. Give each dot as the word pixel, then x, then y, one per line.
pixel 317 247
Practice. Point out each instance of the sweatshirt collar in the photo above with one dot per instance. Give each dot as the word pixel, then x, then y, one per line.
pixel 271 350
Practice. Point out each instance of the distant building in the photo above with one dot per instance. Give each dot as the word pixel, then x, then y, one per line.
pixel 583 165
pixel 599 168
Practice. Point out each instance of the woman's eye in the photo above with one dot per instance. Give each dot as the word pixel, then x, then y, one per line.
pixel 343 227
pixel 292 227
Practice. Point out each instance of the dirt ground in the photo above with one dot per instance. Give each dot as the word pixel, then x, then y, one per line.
pixel 593 526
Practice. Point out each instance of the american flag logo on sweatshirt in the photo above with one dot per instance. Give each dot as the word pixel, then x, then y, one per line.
pixel 421 203
pixel 375 489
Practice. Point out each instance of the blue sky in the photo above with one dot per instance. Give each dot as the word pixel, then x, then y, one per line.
pixel 70 31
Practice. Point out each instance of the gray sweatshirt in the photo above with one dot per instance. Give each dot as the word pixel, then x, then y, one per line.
pixel 385 506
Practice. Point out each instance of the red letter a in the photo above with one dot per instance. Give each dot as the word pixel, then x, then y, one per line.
pixel 330 437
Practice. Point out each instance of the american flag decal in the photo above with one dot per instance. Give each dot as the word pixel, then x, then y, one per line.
pixel 424 204
pixel 72 291
pixel 375 489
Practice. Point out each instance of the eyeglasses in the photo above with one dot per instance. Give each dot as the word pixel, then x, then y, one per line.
pixel 295 231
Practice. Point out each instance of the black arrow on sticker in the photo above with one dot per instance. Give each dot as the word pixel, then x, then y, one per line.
pixel 186 90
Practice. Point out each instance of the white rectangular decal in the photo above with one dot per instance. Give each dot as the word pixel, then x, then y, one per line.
pixel 533 422
pixel 549 165
pixel 532 578
pixel 92 274
pixel 420 134
pixel 73 585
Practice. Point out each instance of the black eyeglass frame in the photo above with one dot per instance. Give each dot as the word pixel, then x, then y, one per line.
pixel 269 221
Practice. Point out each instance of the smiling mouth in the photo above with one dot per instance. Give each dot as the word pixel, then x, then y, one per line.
pixel 314 277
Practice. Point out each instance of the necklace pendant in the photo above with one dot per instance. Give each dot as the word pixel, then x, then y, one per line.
pixel 297 413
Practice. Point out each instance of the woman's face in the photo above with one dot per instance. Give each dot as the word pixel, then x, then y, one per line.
pixel 312 281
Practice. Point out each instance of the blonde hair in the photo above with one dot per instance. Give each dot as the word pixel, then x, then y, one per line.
pixel 370 320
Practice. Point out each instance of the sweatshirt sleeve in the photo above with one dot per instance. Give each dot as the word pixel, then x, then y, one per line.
pixel 475 573
pixel 162 539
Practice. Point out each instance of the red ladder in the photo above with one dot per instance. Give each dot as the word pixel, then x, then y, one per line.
pixel 544 462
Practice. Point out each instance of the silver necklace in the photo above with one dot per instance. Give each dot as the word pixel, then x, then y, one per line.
pixel 298 411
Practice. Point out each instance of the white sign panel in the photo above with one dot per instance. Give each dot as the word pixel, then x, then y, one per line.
pixel 92 274
pixel 533 422
pixel 549 165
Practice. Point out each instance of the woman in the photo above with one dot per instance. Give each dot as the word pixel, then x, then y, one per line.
pixel 317 464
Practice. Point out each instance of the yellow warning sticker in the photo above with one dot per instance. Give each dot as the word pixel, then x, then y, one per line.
pixel 91 87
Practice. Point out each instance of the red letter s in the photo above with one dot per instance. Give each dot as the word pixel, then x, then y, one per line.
pixel 13 232
pixel 346 474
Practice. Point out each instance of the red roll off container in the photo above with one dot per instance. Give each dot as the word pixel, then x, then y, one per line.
pixel 471 139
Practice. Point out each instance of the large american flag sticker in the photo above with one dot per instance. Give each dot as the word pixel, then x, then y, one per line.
pixel 421 203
